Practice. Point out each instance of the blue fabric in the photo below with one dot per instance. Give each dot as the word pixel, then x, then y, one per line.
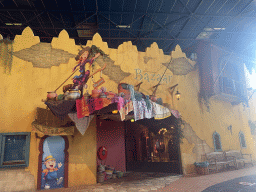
pixel 138 96
pixel 131 89
pixel 51 180
pixel 148 103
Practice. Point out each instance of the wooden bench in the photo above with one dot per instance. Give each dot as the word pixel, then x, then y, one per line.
pixel 239 158
pixel 218 160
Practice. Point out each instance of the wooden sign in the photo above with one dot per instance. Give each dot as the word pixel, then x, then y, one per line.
pixel 99 83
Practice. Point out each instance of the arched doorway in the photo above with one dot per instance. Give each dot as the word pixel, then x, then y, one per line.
pixel 53 162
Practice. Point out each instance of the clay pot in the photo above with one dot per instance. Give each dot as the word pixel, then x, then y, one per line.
pixel 102 95
pixel 114 176
pixel 87 95
pixel 96 93
pixel 51 95
pixel 119 174
pixel 101 168
pixel 110 95
pixel 73 94
pixel 100 177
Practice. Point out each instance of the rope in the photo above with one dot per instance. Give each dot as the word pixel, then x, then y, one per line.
pixel 156 86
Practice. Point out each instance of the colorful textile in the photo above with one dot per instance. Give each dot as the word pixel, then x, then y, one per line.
pixel 82 108
pixel 141 111
pixel 61 108
pixel 81 124
pixel 131 89
pixel 148 102
pixel 89 106
pixel 120 102
pixel 123 106
pixel 175 113
pixel 125 109
pixel 160 111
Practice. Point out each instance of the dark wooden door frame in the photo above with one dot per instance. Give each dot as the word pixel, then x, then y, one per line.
pixel 66 161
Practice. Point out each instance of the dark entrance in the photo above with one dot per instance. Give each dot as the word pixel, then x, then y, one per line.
pixel 152 146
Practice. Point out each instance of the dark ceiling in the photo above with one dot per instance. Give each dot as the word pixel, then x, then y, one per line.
pixel 227 23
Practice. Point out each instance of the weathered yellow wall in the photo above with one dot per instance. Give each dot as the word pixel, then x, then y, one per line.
pixel 82 157
pixel 22 91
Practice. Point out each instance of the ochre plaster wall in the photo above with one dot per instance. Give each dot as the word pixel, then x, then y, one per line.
pixel 82 157
pixel 23 90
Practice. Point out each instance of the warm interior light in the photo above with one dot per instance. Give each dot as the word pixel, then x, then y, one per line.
pixel 162 129
pixel 115 111
pixel 132 120
pixel 177 94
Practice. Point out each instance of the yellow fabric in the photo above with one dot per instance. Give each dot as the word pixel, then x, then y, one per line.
pixel 160 111
pixel 52 131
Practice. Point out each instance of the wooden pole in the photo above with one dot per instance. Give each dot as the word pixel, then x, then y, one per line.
pixel 66 79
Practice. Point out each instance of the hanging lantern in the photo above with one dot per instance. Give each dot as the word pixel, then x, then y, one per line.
pixel 177 94
pixel 115 111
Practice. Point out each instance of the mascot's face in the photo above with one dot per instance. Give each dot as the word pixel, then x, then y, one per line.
pixel 85 55
pixel 50 164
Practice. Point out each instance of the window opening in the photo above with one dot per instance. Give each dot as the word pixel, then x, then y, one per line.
pixel 14 149
pixel 217 142
pixel 242 140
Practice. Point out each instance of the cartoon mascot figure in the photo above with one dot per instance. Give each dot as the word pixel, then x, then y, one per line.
pixel 50 173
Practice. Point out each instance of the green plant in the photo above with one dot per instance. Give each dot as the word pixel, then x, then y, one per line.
pixel 203 99
pixel 95 50
pixel 6 54
pixel 179 132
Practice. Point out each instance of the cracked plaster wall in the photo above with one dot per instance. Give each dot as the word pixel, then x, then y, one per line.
pixel 22 91
pixel 193 148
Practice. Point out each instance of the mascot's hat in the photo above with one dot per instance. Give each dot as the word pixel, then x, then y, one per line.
pixel 48 158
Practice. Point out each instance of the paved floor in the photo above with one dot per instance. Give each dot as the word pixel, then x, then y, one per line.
pixel 241 180
pixel 210 182
pixel 241 184
pixel 133 182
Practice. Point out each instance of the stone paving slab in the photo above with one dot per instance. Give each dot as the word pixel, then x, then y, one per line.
pixel 132 183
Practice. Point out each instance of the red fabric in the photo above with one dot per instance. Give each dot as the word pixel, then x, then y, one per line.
pixel 87 107
pixel 98 103
pixel 82 108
